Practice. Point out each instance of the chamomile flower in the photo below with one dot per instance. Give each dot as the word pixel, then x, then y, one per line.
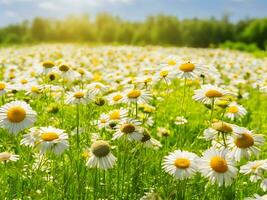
pixel 209 93
pixel 245 144
pixel 77 96
pixel 115 98
pixel 235 111
pixel 218 166
pixel 255 169
pixel 149 141
pixel 34 90
pixel 52 139
pixel 135 95
pixel 101 156
pixel 47 66
pixel 16 116
pixel 7 157
pixel 264 185
pixel 117 115
pixel 180 164
pixel 128 128
pixel 30 138
pixel 220 127
pixel 4 88
pixel 180 120
pixel 66 72
pixel 97 88
pixel 257 197
pixel 189 70
pixel 163 132
pixel 103 121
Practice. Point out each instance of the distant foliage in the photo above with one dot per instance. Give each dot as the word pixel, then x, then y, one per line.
pixel 155 30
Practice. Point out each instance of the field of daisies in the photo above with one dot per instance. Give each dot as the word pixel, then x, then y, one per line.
pixel 148 123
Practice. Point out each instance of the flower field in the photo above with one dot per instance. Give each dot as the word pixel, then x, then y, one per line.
pixel 123 122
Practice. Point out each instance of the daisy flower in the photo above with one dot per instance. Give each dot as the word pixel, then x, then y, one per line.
pixel 34 90
pixel 77 96
pixel 165 74
pixel 6 157
pixel 148 141
pixel 209 93
pixel 66 72
pixel 128 128
pixel 103 121
pixel 218 166
pixel 257 197
pixel 264 185
pixel 52 139
pixel 97 88
pixel 220 127
pixel 135 95
pixel 16 116
pixel 189 70
pixel 235 111
pixel 115 98
pixel 47 66
pixel 151 195
pixel 4 87
pixel 117 115
pixel 180 164
pixel 30 138
pixel 101 156
pixel 180 120
pixel 255 169
pixel 245 144
pixel 163 132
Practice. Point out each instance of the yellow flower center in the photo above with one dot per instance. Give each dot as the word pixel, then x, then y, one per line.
pixel 233 109
pixel 164 73
pixel 49 136
pixel 97 86
pixel 4 156
pixel 64 68
pixel 100 148
pixel 245 141
pixel 12 75
pixel 117 97
pixel 35 89
pixel 147 80
pixel 218 164
pixel 81 71
pixel 2 86
pixel 115 115
pixel 127 128
pixel 172 62
pixel 134 94
pixel 48 64
pixel 187 67
pixel 182 163
pixel 256 166
pixel 79 95
pixel 97 77
pixel 213 94
pixel 16 114
pixel 222 127
pixel 103 121
pixel 23 81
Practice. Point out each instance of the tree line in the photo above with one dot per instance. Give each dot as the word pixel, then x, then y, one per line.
pixel 155 30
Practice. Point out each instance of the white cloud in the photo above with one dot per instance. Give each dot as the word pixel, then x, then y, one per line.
pixel 49 5
pixel 10 13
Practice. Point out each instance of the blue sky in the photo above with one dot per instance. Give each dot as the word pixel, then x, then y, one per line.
pixel 13 11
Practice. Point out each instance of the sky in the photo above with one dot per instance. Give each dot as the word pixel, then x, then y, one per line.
pixel 14 11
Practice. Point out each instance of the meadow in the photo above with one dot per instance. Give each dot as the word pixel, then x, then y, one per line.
pixel 124 122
